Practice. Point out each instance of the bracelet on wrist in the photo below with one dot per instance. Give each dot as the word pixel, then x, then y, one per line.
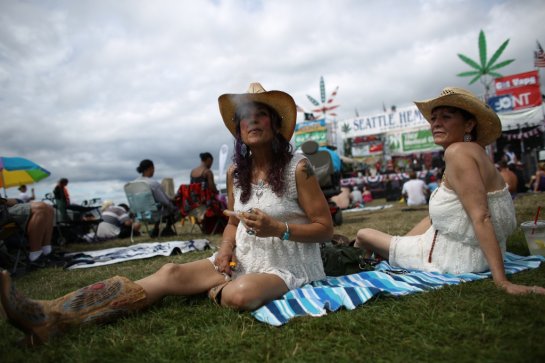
pixel 286 234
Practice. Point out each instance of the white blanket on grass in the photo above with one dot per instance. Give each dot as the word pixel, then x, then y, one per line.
pixel 134 252
pixel 367 209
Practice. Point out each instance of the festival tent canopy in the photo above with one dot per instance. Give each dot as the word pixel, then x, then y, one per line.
pixel 528 117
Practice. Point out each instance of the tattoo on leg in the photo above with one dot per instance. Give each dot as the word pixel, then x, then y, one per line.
pixel 308 169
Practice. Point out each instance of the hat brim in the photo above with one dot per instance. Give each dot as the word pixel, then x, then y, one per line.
pixel 488 123
pixel 280 101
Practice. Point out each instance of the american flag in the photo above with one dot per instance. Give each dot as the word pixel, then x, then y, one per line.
pixel 539 56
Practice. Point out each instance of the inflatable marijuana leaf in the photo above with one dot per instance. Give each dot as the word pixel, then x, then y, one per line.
pixel 485 68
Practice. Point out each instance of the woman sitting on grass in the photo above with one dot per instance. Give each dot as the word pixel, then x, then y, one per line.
pixel 282 212
pixel 471 213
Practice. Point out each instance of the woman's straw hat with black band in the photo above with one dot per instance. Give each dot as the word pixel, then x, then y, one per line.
pixel 282 102
pixel 488 123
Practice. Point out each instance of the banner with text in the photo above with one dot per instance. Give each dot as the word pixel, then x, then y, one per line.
pixel 403 118
pixel 515 92
pixel 417 141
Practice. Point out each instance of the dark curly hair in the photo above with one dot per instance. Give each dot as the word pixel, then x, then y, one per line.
pixel 283 153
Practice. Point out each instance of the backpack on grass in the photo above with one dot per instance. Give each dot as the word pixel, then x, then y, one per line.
pixel 340 257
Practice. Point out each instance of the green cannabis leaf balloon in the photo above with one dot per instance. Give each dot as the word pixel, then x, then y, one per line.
pixel 485 70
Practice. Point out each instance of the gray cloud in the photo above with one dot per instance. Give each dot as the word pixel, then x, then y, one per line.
pixel 89 88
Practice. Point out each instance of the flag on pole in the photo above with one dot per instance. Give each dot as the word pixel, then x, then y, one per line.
pixel 539 56
pixel 224 150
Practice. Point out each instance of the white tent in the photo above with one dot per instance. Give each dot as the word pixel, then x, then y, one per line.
pixel 528 117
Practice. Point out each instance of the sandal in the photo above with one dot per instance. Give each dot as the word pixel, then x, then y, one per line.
pixel 215 293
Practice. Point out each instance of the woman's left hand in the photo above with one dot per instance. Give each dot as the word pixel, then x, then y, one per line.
pixel 515 289
pixel 261 224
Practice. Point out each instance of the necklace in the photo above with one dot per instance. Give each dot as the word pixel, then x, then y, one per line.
pixel 259 188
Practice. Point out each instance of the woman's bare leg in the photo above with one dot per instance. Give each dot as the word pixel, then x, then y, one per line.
pixel 379 242
pixel 251 291
pixel 185 279
pixel 374 240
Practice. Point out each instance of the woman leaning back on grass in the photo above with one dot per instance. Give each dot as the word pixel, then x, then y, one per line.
pixel 471 214
pixel 276 222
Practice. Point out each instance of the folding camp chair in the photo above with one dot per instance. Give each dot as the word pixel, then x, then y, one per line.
pixel 201 208
pixel 143 205
pixel 74 221
pixel 15 244
pixel 330 181
pixel 13 249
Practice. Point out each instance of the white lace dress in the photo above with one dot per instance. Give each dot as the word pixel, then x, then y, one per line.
pixel 456 248
pixel 296 263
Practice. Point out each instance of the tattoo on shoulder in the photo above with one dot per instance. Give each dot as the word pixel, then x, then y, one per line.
pixel 308 169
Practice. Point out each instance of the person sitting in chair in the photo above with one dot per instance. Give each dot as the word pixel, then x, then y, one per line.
pixel 36 220
pixel 147 169
pixel 62 197
pixel 26 195
pixel 203 174
pixel 63 203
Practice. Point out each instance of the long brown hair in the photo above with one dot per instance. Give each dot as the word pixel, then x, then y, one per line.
pixel 282 150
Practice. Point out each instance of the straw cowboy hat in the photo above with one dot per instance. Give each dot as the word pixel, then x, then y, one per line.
pixel 488 123
pixel 282 102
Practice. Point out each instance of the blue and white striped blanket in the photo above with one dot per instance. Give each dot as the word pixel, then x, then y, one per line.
pixel 350 291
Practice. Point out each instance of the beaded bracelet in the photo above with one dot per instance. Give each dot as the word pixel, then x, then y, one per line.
pixel 286 235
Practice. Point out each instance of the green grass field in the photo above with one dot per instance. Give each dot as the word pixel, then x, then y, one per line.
pixel 472 322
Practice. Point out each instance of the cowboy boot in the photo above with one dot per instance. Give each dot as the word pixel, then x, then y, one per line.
pixel 101 302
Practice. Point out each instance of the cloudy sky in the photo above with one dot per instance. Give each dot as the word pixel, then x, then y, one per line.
pixel 89 88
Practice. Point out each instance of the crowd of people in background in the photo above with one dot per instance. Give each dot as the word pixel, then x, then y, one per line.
pixel 412 187
pixel 414 184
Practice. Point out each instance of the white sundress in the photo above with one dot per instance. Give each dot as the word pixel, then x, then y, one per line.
pixel 296 263
pixel 456 248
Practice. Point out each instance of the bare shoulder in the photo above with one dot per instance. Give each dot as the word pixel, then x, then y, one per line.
pixel 304 167
pixel 462 150
pixel 231 170
pixel 208 172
